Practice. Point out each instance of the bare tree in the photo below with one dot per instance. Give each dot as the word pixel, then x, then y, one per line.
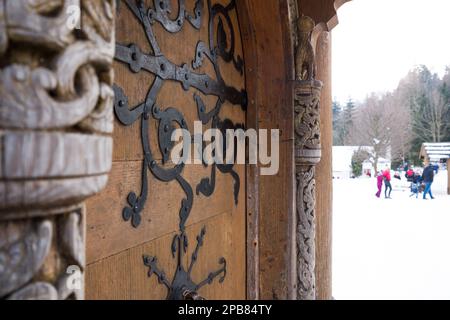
pixel 401 131
pixel 372 127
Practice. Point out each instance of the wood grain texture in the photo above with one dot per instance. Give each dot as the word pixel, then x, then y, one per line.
pixel 252 171
pixel 276 247
pixel 54 155
pixel 448 173
pixel 269 69
pixel 55 119
pixel 178 48
pixel 160 217
pixel 321 11
pixel 114 248
pixel 123 276
pixel 42 193
pixel 324 177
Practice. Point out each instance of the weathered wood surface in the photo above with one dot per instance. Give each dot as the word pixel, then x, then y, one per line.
pixel 114 249
pixel 32 196
pixel 55 148
pixel 179 48
pixel 322 11
pixel 307 155
pixel 270 202
pixel 123 276
pixel 54 155
pixel 252 172
pixel 324 175
pixel 106 228
pixel 44 169
pixel 24 247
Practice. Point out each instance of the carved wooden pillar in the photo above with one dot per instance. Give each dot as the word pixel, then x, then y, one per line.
pixel 56 121
pixel 307 155
pixel 307 92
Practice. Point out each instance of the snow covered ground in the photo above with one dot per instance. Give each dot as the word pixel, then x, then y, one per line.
pixel 395 248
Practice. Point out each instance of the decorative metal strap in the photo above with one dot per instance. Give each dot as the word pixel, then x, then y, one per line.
pixel 156 63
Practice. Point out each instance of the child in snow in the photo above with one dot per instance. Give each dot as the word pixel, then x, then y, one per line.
pixel 387 183
pixel 379 184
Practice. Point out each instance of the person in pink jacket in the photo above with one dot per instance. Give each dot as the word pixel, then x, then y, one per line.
pixel 379 184
pixel 387 183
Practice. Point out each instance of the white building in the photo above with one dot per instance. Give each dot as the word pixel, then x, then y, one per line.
pixel 342 162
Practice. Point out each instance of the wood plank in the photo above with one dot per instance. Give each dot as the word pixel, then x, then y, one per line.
pixel 114 248
pixel 448 178
pixel 127 145
pixel 105 226
pixel 276 231
pixel 252 171
pixel 123 276
pixel 269 65
pixel 127 140
pixel 324 174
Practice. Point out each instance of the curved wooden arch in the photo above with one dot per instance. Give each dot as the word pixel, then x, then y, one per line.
pixel 322 11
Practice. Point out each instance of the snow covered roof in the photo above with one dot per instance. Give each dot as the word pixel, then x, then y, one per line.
pixel 435 151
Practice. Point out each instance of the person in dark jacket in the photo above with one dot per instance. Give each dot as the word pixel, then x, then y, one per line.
pixel 428 178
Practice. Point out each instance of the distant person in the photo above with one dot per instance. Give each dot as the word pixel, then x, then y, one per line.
pixel 418 177
pixel 379 184
pixel 428 178
pixel 416 184
pixel 409 175
pixel 387 183
pixel 436 168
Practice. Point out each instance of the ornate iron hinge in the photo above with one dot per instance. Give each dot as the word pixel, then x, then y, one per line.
pixel 156 63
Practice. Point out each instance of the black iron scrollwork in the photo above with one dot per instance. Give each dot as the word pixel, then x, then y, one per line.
pixel 169 119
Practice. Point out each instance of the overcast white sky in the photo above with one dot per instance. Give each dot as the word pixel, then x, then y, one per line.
pixel 378 41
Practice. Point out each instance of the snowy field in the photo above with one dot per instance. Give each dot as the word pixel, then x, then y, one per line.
pixel 395 248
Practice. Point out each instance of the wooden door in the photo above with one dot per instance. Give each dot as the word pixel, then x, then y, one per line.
pixel 176 62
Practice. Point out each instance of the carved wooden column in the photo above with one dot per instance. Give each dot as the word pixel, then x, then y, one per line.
pixel 307 154
pixel 323 12
pixel 56 121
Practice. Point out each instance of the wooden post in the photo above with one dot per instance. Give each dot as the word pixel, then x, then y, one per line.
pixel 448 174
pixel 270 199
pixel 324 174
pixel 56 121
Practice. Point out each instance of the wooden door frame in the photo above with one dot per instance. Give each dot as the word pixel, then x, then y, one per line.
pixel 265 32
